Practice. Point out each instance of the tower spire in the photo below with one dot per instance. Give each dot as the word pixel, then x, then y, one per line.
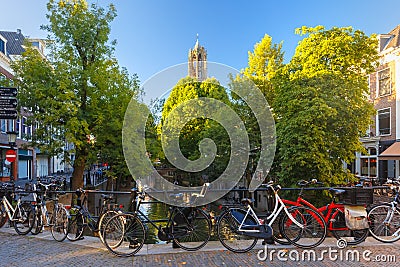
pixel 196 45
pixel 197 61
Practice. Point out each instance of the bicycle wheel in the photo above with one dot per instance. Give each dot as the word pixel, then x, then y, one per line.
pixel 3 216
pixel 341 231
pixel 312 231
pixel 24 218
pixel 277 236
pixel 38 225
pixel 76 225
pixel 59 223
pixel 384 223
pixel 103 221
pixel 195 232
pixel 228 233
pixel 124 235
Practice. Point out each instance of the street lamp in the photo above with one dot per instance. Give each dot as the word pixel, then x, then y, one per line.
pixel 12 138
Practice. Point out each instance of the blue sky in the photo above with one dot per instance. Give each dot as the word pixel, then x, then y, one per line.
pixel 154 35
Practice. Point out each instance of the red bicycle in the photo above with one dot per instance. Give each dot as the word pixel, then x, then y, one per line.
pixel 333 214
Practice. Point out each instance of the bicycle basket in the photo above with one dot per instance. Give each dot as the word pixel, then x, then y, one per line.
pixel 181 217
pixel 357 196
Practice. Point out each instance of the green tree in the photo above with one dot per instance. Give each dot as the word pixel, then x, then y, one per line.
pixel 79 90
pixel 198 129
pixel 263 63
pixel 321 104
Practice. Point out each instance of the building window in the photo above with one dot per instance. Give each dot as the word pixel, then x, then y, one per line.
pixel 384 82
pixel 24 127
pixel 369 163
pixel 10 125
pixel 384 121
pixel 2 46
pixel 18 127
pixel 3 126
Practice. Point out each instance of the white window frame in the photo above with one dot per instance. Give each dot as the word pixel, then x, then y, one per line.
pixel 378 91
pixel 378 133
pixel 372 159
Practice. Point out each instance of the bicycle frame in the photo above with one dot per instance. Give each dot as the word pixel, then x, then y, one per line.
pixel 88 219
pixel 11 211
pixel 393 205
pixel 331 210
pixel 259 231
pixel 145 219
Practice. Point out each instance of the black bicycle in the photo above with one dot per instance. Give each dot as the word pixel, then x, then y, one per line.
pixel 80 217
pixel 189 227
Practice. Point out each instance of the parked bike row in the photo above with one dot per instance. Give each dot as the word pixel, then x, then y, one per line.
pixel 238 227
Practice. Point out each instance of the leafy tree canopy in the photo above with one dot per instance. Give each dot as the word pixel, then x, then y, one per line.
pixel 321 104
pixel 79 90
pixel 196 130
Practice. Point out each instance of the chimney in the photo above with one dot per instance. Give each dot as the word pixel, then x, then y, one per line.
pixel 18 31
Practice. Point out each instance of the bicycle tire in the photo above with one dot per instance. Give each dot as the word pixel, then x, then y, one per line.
pixel 352 237
pixel 228 234
pixel 124 235
pixel 3 216
pixel 24 218
pixel 76 225
pixel 104 218
pixel 196 230
pixel 59 223
pixel 381 230
pixel 38 225
pixel 277 236
pixel 314 229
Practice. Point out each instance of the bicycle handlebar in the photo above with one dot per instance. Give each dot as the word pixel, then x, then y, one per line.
pixel 304 183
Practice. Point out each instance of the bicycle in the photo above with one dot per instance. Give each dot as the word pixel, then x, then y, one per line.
pixel 333 214
pixel 384 218
pixel 58 221
pixel 22 215
pixel 188 227
pixel 80 217
pixel 239 229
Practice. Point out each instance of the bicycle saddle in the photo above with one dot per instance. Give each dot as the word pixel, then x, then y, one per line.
pixel 247 201
pixel 337 192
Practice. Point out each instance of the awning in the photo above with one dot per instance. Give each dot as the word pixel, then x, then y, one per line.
pixel 391 153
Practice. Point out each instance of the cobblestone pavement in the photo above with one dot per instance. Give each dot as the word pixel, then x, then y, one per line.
pixel 41 250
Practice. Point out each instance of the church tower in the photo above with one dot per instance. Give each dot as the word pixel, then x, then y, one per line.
pixel 197 62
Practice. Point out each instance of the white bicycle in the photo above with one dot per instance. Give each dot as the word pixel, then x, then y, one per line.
pixel 239 229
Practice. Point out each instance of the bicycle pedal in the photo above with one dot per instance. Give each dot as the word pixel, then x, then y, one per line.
pixel 268 241
pixel 133 246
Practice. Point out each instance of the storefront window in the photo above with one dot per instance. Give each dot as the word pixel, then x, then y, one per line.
pixel 4 168
pixel 364 167
pixel 369 163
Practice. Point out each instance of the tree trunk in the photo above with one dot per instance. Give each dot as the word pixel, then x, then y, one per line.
pixel 79 168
